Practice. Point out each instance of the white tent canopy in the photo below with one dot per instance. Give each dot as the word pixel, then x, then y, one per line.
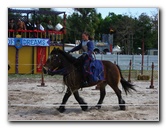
pixel 116 49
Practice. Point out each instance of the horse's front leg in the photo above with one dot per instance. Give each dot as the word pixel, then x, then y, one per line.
pixel 80 101
pixel 65 98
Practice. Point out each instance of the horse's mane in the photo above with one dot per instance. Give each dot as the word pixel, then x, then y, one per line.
pixel 67 56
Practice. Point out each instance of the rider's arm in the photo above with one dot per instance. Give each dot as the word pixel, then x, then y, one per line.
pixel 76 48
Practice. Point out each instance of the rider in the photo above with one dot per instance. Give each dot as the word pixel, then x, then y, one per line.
pixel 87 47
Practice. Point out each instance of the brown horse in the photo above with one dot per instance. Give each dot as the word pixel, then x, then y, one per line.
pixel 60 62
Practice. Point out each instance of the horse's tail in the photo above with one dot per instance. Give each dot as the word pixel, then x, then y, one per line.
pixel 125 84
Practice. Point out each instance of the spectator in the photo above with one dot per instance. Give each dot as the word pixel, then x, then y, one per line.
pixel 50 27
pixel 21 25
pixel 29 26
pixel 11 26
pixel 38 26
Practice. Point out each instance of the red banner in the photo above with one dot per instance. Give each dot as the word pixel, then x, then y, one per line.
pixel 41 57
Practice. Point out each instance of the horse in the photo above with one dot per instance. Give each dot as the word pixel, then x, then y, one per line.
pixel 62 63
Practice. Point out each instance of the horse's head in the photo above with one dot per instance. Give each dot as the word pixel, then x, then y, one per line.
pixel 53 62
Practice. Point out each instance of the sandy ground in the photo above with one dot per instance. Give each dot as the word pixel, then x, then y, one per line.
pixel 27 101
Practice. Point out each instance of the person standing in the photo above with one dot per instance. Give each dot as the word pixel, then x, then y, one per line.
pixel 20 27
pixel 40 33
pixel 49 29
pixel 12 26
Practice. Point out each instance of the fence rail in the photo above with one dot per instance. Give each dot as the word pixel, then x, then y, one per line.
pixel 124 60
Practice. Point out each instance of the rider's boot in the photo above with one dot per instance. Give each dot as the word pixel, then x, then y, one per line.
pixel 84 84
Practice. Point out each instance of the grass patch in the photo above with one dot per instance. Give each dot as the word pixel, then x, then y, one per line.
pixel 125 73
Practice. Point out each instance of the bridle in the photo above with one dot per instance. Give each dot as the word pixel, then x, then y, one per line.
pixel 62 71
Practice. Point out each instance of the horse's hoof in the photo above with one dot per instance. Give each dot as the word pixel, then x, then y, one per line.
pixel 84 108
pixel 122 105
pixel 61 109
pixel 122 108
pixel 98 106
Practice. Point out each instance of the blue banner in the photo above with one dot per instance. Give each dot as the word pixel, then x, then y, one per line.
pixel 11 41
pixel 19 42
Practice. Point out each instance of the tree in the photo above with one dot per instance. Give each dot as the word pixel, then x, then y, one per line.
pixel 144 31
pixel 128 31
pixel 123 30
pixel 45 18
pixel 83 19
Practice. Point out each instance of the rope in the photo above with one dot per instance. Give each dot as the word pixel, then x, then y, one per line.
pixel 70 105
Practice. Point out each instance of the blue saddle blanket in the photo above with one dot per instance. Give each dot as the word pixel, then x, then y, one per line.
pixel 96 71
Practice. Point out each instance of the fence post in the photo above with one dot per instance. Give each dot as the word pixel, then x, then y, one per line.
pixel 129 72
pixel 151 85
pixel 133 60
pixel 17 59
pixel 42 77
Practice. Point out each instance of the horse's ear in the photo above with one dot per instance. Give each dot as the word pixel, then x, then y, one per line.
pixel 58 49
pixel 54 51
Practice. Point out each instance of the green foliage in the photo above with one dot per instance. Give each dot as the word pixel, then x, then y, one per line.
pixel 83 19
pixel 128 31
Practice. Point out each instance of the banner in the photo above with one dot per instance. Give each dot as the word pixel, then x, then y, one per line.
pixel 18 43
pixel 28 42
pixel 41 58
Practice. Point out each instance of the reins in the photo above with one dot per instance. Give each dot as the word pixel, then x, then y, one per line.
pixel 63 71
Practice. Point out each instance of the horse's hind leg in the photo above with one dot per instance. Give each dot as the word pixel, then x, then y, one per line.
pixel 80 101
pixel 114 85
pixel 102 95
pixel 121 101
pixel 65 98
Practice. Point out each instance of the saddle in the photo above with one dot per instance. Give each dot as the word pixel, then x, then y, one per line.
pixel 95 72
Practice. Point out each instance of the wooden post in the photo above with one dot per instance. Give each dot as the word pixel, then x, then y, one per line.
pixel 17 57
pixel 42 77
pixel 142 64
pixel 129 72
pixel 151 85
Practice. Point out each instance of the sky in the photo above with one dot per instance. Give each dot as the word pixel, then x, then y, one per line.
pixel 134 12
pixel 130 11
